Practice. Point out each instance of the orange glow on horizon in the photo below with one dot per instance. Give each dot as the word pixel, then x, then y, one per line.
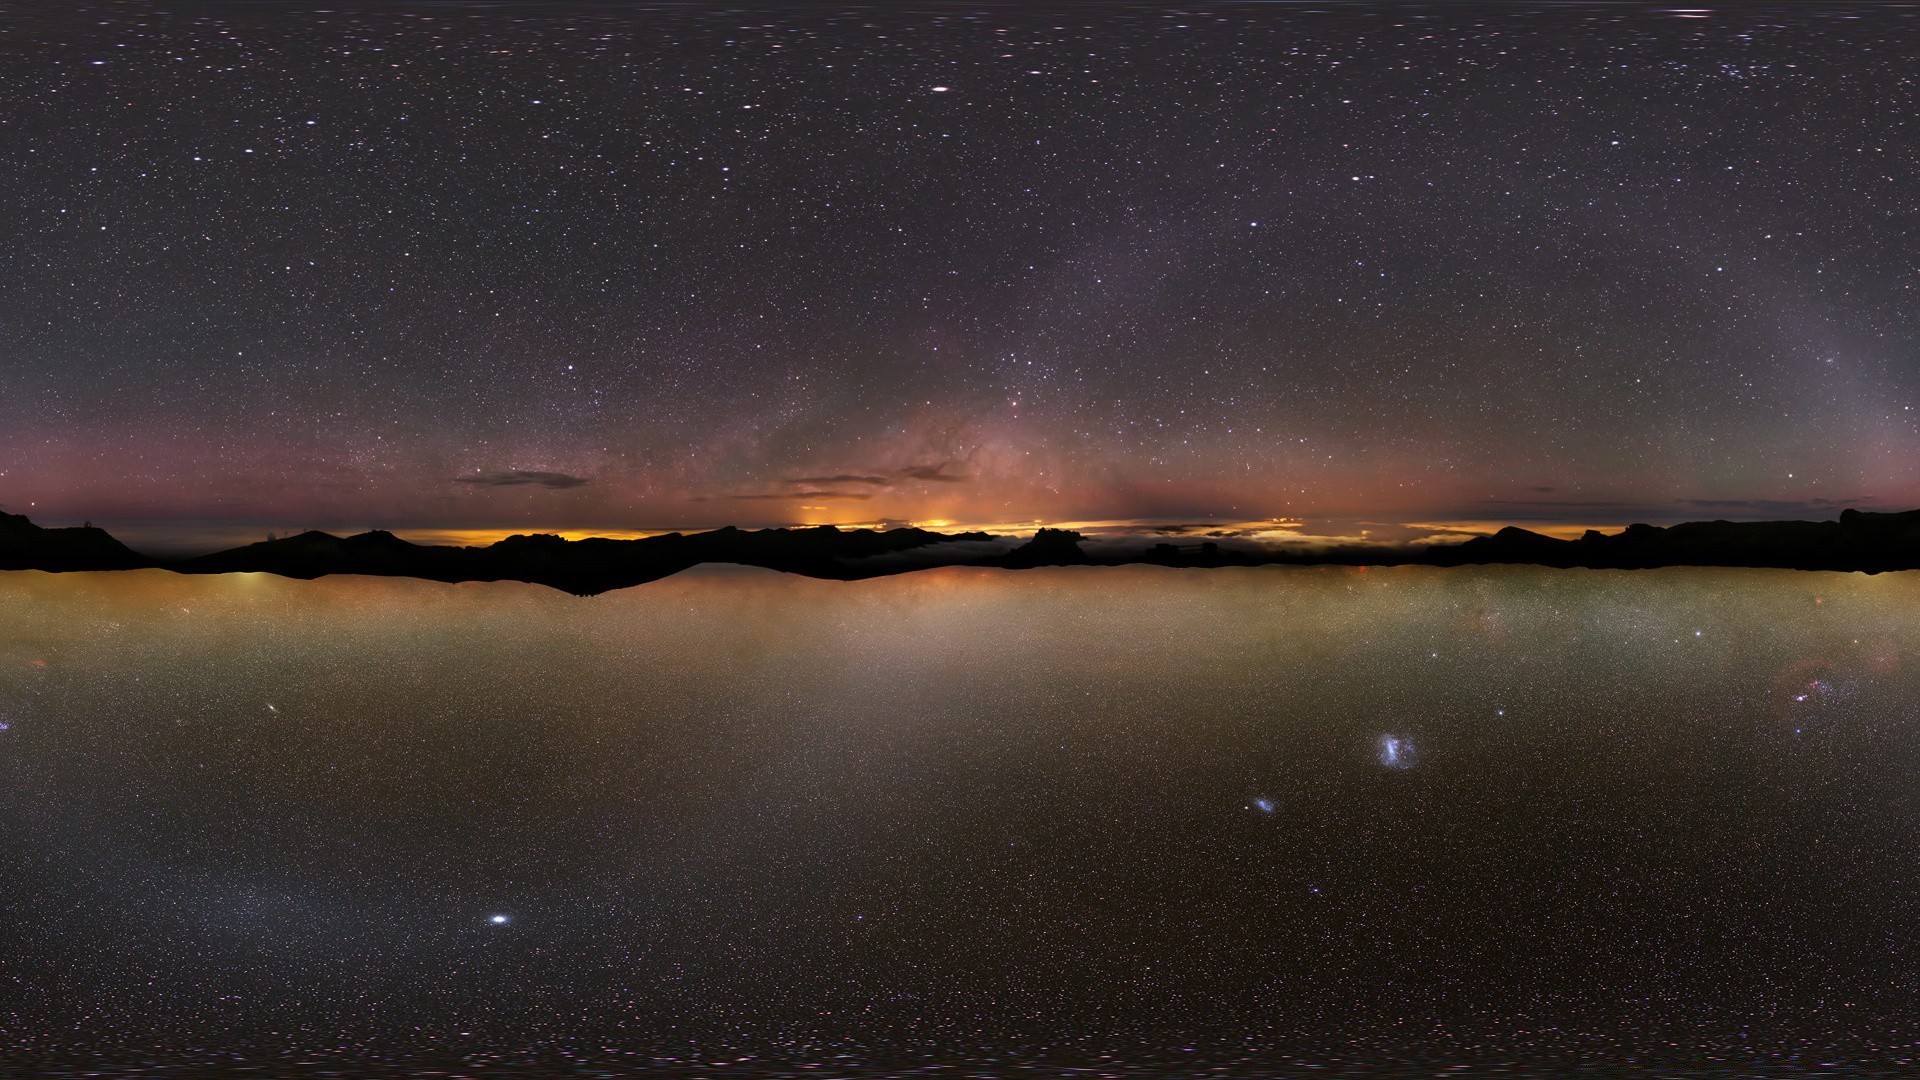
pixel 1286 530
pixel 484 537
pixel 1448 530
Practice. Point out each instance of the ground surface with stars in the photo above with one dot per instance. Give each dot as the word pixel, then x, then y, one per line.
pixel 470 268
pixel 1660 820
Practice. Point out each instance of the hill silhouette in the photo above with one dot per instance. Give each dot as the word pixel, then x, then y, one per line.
pixel 1859 541
pixel 584 567
pixel 1049 547
pixel 26 546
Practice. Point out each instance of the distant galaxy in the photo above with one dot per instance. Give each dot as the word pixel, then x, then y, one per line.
pixel 1397 751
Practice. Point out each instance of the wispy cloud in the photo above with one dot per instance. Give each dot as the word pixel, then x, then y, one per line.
pixel 786 495
pixel 1601 511
pixel 936 473
pixel 524 478
pixel 835 485
pixel 1777 506
pixel 843 478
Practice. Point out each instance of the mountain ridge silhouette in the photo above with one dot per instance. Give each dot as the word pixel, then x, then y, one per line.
pixel 1858 540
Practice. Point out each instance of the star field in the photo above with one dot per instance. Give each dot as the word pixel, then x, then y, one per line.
pixel 745 815
pixel 452 267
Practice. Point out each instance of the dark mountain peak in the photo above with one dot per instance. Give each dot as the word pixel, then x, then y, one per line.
pixel 1859 540
pixel 1870 519
pixel 1510 539
pixel 531 540
pixel 1509 545
pixel 27 546
pixel 310 538
pixel 1049 547
pixel 915 535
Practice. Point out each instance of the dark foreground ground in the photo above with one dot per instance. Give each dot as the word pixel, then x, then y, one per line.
pixel 1122 821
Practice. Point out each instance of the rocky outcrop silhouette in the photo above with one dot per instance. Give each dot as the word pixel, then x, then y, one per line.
pixel 26 546
pixel 1049 547
pixel 1858 540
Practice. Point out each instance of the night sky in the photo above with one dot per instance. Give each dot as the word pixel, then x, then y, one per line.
pixel 450 267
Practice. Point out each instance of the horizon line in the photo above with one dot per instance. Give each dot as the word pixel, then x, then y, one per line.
pixel 150 536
